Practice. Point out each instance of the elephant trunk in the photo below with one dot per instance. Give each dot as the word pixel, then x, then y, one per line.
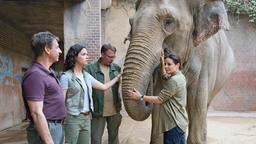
pixel 140 62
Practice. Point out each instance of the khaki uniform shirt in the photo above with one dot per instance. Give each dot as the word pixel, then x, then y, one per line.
pixel 109 107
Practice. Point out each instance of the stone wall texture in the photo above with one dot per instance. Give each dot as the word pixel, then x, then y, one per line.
pixel 15 57
pixel 82 25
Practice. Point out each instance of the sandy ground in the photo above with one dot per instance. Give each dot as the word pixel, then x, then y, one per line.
pixel 223 128
pixel 231 130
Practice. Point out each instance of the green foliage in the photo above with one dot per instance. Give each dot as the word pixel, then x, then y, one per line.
pixel 242 7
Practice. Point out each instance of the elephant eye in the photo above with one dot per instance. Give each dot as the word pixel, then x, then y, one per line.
pixel 169 25
pixel 169 21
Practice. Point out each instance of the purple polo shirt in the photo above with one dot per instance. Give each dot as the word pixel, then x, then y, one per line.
pixel 39 84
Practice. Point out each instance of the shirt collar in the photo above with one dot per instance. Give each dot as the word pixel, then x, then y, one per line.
pixel 38 65
pixel 111 66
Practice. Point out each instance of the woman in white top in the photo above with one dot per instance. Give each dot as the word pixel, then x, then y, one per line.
pixel 77 86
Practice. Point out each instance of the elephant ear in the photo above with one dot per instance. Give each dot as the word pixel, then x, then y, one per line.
pixel 209 18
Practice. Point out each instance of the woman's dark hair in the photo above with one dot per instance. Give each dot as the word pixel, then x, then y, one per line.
pixel 175 58
pixel 71 55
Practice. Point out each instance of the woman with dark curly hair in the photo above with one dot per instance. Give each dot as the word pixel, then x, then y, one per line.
pixel 77 86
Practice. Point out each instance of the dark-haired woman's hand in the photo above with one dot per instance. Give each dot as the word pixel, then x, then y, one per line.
pixel 162 68
pixel 134 94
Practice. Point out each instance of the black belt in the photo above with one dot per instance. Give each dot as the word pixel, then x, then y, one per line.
pixel 85 113
pixel 55 121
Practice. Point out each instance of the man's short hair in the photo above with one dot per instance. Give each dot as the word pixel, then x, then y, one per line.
pixel 106 47
pixel 41 40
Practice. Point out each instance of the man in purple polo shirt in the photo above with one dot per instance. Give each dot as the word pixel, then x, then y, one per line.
pixel 42 93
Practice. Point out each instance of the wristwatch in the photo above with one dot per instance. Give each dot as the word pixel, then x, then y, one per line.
pixel 142 97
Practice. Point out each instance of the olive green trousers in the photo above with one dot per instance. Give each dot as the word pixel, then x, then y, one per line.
pixel 78 129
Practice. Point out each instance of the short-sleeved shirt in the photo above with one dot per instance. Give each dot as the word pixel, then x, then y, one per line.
pixel 79 92
pixel 109 106
pixel 40 84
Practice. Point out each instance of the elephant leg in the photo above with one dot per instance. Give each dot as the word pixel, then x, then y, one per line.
pixel 156 137
pixel 197 112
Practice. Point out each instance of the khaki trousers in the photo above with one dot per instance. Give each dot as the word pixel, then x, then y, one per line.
pixel 78 129
pixel 98 126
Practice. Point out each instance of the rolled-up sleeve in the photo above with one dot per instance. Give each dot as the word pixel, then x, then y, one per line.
pixel 169 90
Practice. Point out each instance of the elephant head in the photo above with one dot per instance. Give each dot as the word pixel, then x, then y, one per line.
pixel 176 24
pixel 186 27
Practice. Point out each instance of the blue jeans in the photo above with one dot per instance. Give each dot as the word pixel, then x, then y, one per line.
pixel 174 136
pixel 56 130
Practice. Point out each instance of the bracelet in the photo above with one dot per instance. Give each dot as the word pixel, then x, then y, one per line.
pixel 142 97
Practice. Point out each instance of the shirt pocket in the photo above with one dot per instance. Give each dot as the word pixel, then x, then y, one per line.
pixel 73 88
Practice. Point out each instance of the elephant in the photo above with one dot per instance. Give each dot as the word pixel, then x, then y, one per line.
pixel 194 30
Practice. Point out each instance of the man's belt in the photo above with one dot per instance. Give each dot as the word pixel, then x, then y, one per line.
pixel 55 121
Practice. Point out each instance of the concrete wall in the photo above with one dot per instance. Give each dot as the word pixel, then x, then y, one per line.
pixel 117 27
pixel 239 93
pixel 15 56
pixel 82 25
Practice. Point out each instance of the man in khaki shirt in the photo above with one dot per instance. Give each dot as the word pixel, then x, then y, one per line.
pixel 107 105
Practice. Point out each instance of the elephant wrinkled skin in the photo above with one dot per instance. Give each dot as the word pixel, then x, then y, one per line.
pixel 193 30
